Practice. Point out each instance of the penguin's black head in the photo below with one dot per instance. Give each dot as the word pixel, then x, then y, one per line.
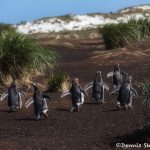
pixel 75 81
pixel 13 84
pixel 128 79
pixel 35 86
pixel 98 75
pixel 117 67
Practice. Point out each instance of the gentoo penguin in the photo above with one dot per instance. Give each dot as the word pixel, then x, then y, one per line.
pixel 77 94
pixel 117 76
pixel 40 103
pixel 98 87
pixel 14 97
pixel 126 93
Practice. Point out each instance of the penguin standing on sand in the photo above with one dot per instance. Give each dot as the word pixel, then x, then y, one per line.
pixel 117 76
pixel 40 103
pixel 77 94
pixel 126 93
pixel 98 88
pixel 14 97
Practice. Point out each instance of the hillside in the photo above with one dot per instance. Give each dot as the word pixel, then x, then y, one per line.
pixel 82 22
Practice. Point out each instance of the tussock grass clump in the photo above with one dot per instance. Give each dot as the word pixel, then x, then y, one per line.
pixel 142 27
pixel 20 54
pixel 58 82
pixel 146 103
pixel 120 35
pixel 146 92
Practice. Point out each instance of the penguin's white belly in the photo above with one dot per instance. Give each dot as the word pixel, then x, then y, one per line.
pixel 45 107
pixel 82 99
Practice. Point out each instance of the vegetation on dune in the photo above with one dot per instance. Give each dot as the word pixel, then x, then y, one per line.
pixel 59 81
pixel 20 54
pixel 6 28
pixel 120 35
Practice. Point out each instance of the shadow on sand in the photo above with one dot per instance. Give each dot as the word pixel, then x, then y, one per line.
pixel 138 136
pixel 63 109
pixel 26 119
pixel 92 103
pixel 111 110
pixel 4 111
pixel 7 111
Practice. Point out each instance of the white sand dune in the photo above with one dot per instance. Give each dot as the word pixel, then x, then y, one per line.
pixel 81 22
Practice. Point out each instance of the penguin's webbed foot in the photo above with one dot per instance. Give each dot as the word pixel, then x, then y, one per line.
pixel 10 111
pixel 126 107
pixel 118 107
pixel 38 117
pixel 103 102
pixel 130 107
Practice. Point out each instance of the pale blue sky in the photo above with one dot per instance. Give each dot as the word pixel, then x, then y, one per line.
pixel 14 11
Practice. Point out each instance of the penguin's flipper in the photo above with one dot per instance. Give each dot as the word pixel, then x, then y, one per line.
pixel 114 91
pixel 4 95
pixel 29 102
pixel 88 86
pixel 105 86
pixel 72 109
pixel 124 73
pixel 20 100
pixel 134 92
pixel 65 94
pixel 110 74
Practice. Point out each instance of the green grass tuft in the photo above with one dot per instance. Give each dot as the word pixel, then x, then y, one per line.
pixel 55 83
pixel 146 102
pixel 20 53
pixel 122 34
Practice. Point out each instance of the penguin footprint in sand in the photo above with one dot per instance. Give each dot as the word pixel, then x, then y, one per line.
pixel 14 97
